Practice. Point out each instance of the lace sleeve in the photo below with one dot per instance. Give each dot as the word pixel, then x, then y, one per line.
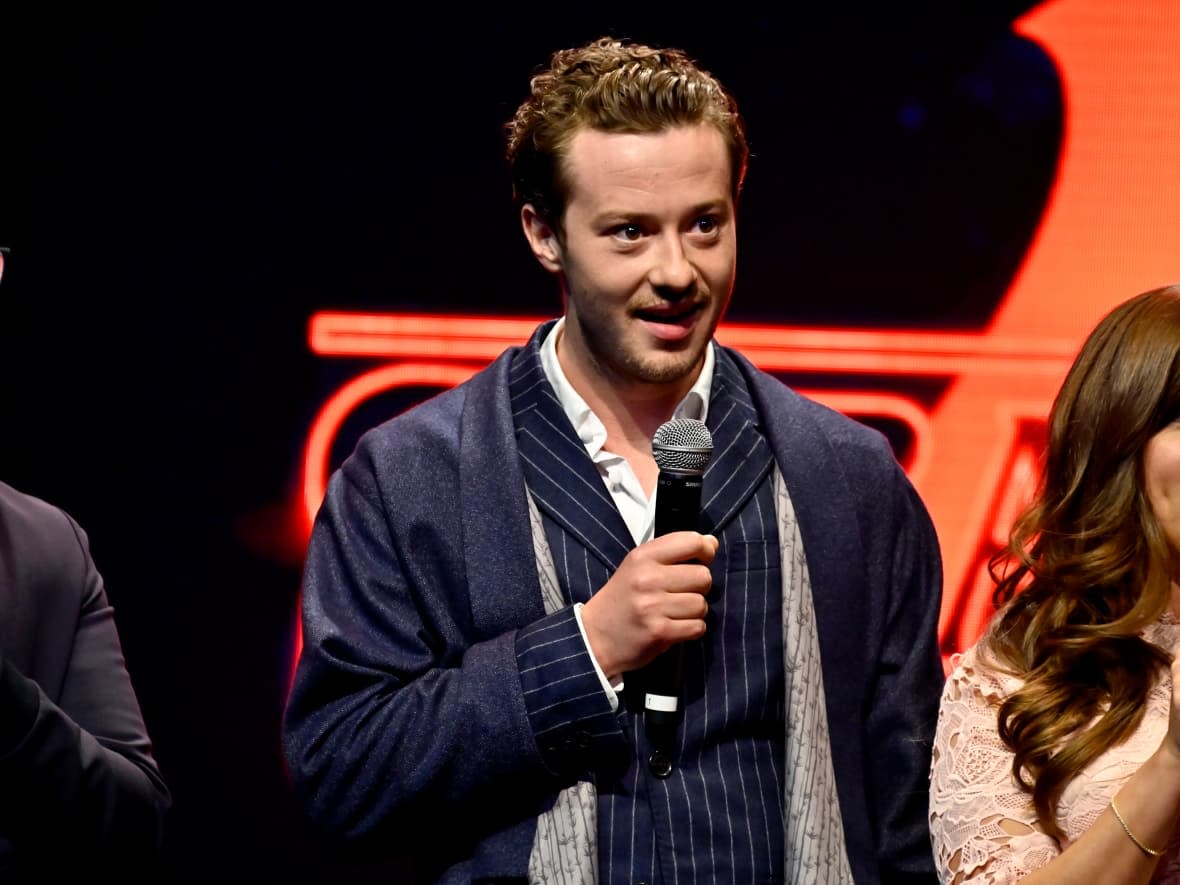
pixel 982 825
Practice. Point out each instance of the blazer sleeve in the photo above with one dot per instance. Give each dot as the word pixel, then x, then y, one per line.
pixel 76 762
pixel 909 676
pixel 407 710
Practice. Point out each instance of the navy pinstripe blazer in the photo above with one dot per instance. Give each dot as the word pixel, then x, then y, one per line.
pixel 406 720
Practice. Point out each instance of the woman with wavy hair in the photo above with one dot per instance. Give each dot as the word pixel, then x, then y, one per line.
pixel 1057 754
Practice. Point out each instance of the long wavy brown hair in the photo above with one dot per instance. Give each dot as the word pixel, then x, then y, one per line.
pixel 1087 566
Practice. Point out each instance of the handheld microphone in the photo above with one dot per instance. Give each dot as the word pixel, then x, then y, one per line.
pixel 682 448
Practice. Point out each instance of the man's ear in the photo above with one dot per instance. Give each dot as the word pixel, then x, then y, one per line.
pixel 542 238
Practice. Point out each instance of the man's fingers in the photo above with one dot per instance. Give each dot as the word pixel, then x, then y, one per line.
pixel 683 547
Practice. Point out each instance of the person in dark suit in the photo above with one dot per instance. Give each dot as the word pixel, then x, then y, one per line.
pixel 484 590
pixel 78 782
pixel 80 790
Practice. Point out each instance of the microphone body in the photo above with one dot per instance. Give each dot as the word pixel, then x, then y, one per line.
pixel 682 448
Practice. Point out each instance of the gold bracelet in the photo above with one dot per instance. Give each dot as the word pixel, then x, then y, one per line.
pixel 1148 851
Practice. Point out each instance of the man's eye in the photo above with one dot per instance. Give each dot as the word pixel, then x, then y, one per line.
pixel 628 232
pixel 706 225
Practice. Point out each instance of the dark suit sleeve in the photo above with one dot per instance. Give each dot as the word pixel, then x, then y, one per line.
pixel 76 763
pixel 404 715
pixel 909 676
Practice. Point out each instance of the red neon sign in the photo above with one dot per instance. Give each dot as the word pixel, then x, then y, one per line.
pixel 1111 229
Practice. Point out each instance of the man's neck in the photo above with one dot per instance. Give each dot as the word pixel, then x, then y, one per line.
pixel 630 413
pixel 628 408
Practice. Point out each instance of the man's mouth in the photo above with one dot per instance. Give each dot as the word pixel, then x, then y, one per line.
pixel 678 315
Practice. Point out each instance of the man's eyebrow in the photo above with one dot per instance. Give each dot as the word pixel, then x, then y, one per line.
pixel 618 214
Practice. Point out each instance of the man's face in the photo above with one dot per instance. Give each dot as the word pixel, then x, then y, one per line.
pixel 647 259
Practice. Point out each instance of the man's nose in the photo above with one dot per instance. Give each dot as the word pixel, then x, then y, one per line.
pixel 671 272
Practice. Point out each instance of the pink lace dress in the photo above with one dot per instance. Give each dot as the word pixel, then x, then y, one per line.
pixel 982 824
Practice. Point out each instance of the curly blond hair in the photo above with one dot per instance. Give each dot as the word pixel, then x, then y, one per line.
pixel 613 86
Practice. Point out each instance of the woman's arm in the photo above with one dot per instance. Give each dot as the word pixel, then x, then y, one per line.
pixel 983 827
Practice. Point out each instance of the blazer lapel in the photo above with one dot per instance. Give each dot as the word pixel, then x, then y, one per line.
pixel 741 455
pixel 560 475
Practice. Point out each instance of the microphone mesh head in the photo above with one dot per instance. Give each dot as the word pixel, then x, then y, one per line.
pixel 682 444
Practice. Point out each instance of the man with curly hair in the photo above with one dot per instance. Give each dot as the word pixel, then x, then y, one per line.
pixel 485 592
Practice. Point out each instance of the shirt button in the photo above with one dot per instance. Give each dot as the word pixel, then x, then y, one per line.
pixel 659 763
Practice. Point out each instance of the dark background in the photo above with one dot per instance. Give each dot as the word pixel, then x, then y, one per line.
pixel 183 186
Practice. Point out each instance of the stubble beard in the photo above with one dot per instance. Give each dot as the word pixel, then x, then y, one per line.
pixel 623 365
